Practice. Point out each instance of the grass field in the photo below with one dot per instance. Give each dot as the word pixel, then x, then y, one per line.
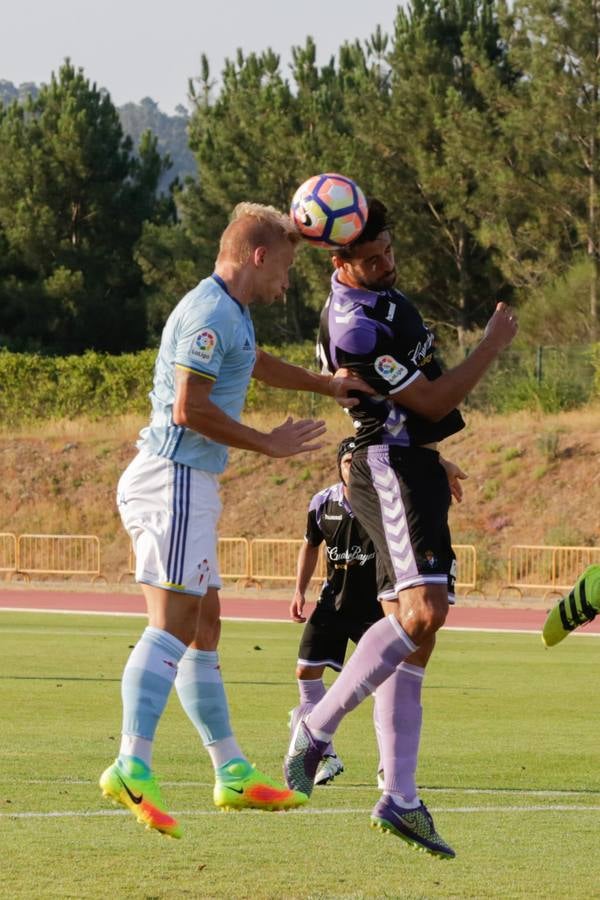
pixel 509 767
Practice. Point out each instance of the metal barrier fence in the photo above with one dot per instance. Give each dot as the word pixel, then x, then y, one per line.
pixel 272 559
pixel 466 566
pixel 58 554
pixel 258 560
pixel 8 552
pixel 234 558
pixel 534 567
pixel 552 568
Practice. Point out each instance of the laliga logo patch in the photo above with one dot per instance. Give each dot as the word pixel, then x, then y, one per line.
pixel 390 369
pixel 204 345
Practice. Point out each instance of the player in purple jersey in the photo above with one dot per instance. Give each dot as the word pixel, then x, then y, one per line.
pixel 346 607
pixel 398 491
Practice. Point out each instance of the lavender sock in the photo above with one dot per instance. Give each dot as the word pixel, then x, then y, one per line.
pixel 311 691
pixel 399 712
pixel 377 727
pixel 380 650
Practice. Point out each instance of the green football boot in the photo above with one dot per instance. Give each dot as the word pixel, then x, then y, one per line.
pixel 141 795
pixel 581 605
pixel 240 785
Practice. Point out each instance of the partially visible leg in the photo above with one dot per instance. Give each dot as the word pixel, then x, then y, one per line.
pixel 399 715
pixel 379 652
pixel 581 605
pixel 377 727
pixel 201 691
pixel 147 682
pixel 310 685
pixel 383 647
pixel 312 689
pixel 200 686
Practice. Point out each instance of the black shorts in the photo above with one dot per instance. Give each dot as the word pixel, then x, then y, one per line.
pixel 325 638
pixel 401 497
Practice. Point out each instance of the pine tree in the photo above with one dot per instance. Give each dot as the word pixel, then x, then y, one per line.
pixel 72 202
pixel 431 179
pixel 543 160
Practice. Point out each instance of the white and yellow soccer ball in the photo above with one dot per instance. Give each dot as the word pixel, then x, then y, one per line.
pixel 329 210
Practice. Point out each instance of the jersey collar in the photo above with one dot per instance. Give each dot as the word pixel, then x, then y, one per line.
pixel 346 294
pixel 341 498
pixel 223 287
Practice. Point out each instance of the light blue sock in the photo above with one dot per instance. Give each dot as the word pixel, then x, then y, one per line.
pixel 200 689
pixel 147 682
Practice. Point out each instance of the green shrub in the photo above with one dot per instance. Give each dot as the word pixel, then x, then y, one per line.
pixel 95 385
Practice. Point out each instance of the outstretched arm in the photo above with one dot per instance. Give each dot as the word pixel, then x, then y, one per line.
pixel 435 399
pixel 194 409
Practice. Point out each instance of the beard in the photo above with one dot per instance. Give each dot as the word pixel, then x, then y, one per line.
pixel 379 284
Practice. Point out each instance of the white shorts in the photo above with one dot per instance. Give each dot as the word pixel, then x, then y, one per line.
pixel 171 512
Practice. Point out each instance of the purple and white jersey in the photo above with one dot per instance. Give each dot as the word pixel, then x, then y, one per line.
pixel 382 337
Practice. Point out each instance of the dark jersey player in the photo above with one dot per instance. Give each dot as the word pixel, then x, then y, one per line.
pixel 398 491
pixel 347 603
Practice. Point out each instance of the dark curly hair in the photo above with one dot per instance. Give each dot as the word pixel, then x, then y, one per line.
pixel 377 221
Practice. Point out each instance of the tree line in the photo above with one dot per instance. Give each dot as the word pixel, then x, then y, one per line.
pixel 476 121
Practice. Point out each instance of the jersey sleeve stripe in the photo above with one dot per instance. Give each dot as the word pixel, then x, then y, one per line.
pixel 406 383
pixel 196 371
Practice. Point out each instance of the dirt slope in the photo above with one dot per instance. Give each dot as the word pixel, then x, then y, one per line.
pixel 532 479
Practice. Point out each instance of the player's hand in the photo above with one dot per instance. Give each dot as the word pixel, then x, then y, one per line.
pixel 345 381
pixel 292 437
pixel 502 327
pixel 296 607
pixel 455 475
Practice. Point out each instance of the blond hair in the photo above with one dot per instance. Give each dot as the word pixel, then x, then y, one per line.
pixel 252 225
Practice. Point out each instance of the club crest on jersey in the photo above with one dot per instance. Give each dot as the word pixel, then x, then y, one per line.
pixel 390 369
pixel 204 345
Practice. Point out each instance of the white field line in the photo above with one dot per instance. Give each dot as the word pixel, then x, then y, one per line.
pixel 538 631
pixel 91 612
pixel 342 811
pixel 134 615
pixel 476 792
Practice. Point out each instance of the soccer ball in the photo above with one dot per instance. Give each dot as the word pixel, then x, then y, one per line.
pixel 329 210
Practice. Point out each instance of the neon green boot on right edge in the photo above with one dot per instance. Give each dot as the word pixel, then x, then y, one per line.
pixel 581 605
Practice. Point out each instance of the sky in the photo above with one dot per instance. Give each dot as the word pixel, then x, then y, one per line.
pixel 143 48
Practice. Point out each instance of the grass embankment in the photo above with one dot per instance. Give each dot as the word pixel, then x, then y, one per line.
pixel 533 479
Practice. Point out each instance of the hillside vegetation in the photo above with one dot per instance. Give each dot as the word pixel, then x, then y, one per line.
pixel 533 479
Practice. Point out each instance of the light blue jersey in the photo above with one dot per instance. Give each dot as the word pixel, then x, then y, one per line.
pixel 212 334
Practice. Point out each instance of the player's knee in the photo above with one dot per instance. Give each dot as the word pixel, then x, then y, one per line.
pixel 423 613
pixel 434 617
pixel 208 633
pixel 309 673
